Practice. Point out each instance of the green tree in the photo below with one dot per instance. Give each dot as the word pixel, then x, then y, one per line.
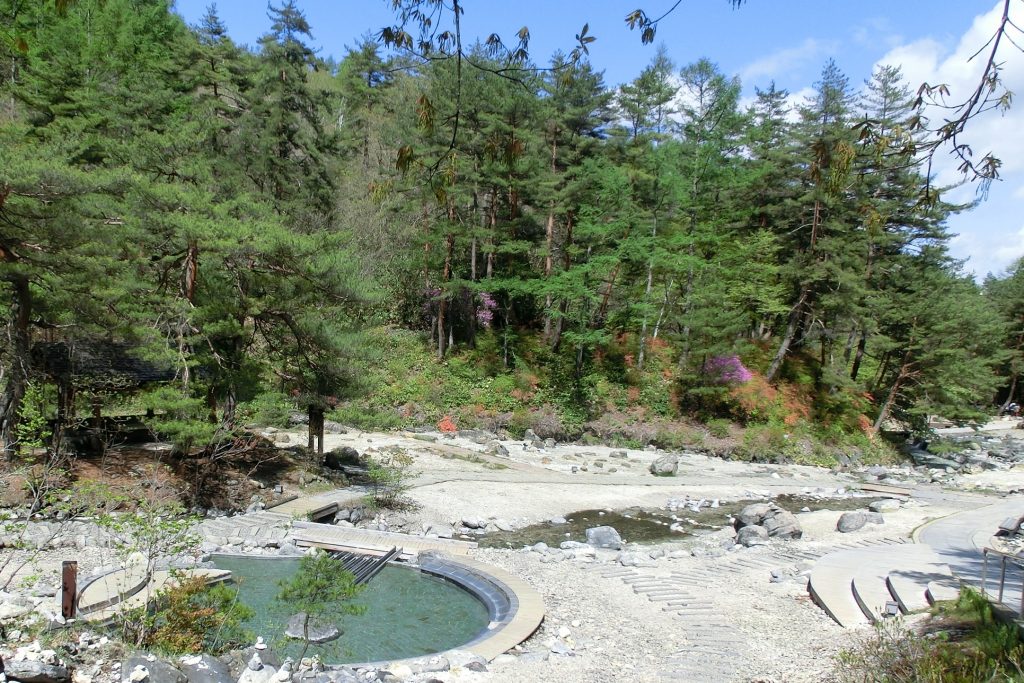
pixel 320 587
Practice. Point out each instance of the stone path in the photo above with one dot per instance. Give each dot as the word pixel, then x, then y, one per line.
pixel 253 529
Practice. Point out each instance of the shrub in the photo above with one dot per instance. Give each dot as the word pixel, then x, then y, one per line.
pixel 961 643
pixel 718 428
pixel 390 474
pixel 194 617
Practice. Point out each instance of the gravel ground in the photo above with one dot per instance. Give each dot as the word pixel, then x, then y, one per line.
pixel 607 631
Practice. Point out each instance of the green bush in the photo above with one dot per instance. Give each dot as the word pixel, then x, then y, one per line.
pixel 269 409
pixel 718 428
pixel 193 617
pixel 961 643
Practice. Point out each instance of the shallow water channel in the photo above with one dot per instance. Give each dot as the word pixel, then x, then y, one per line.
pixel 643 525
pixel 408 613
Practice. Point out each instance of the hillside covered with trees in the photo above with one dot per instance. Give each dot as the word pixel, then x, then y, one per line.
pixel 392 241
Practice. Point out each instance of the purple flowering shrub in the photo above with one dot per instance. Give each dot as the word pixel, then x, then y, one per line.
pixel 727 370
pixel 485 309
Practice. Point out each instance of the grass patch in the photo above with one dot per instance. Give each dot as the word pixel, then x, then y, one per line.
pixel 961 642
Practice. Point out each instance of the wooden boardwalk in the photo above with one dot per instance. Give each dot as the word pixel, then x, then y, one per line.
pixel 320 505
pixel 376 542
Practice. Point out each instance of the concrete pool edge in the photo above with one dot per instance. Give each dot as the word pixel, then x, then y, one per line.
pixel 512 623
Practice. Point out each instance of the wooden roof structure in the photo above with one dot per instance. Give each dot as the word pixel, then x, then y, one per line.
pixel 97 365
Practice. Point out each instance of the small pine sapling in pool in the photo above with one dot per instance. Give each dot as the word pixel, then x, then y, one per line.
pixel 320 586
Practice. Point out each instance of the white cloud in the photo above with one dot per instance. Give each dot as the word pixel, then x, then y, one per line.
pixel 784 60
pixel 989 235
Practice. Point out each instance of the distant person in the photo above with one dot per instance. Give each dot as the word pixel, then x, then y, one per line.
pixel 1013 409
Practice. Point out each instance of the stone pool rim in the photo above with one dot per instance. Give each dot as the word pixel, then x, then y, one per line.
pixel 514 608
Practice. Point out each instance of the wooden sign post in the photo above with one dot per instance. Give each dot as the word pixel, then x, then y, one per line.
pixel 69 589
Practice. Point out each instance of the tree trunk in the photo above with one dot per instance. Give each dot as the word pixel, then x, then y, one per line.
pixel 859 356
pixel 190 272
pixel 20 364
pixel 787 340
pixel 549 234
pixel 647 295
pixel 893 391
pixel 442 308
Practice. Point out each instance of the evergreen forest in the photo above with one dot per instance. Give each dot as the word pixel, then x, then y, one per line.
pixel 403 238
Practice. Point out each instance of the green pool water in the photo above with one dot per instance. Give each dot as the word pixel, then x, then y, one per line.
pixel 408 613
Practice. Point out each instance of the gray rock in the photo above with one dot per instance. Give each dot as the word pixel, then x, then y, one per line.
pixel 337 676
pixel 474 522
pixel 331 427
pixel 851 521
pixel 531 437
pixel 884 505
pixel 665 466
pixel 12 610
pixel 558 521
pixel 318 632
pixel 753 515
pixel 496 448
pixel 205 669
pixel 621 455
pixel 503 525
pixel 783 524
pixel 37 672
pixel 465 659
pixel 752 535
pixel 537 656
pixel 476 435
pixel 550 443
pixel 635 560
pixel 158 670
pixel 429 665
pixel 604 537
pixel 341 457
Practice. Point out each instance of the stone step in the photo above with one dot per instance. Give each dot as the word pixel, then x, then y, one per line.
pixel 942 590
pixel 909 587
pixel 851 585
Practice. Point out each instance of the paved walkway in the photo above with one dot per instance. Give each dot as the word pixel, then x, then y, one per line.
pixel 377 542
pixel 959 539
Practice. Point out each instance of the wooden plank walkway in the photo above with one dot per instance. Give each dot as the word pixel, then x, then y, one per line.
pixel 344 538
pixel 320 505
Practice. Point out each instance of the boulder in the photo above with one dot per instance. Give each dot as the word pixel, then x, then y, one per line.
pixel 496 448
pixel 851 521
pixel 37 672
pixel 604 537
pixel 753 515
pixel 205 669
pixel 665 466
pixel 341 457
pixel 331 427
pixel 778 523
pixel 531 437
pixel 143 668
pixel 476 435
pixel 474 522
pixel 315 632
pixel 884 505
pixel 752 535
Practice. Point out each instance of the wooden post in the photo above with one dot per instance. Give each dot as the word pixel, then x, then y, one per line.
pixel 69 589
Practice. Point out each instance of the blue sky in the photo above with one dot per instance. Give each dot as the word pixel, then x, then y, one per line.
pixel 787 41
